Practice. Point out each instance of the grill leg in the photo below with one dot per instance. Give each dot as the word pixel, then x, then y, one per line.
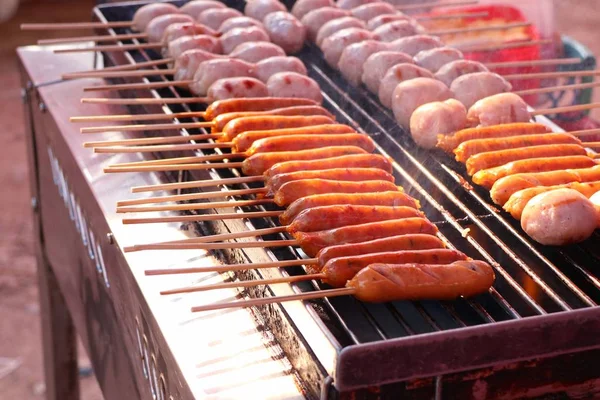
pixel 59 339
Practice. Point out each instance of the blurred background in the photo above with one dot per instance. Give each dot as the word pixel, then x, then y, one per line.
pixel 21 371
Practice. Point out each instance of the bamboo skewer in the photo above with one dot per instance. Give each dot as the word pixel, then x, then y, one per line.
pixel 191 160
pixel 94 38
pixel 436 4
pixel 452 16
pixel 116 47
pixel 231 245
pixel 565 109
pixel 585 132
pixel 146 127
pixel 550 89
pixel 480 29
pixel 243 284
pixel 503 46
pixel 534 63
pixel 137 117
pixel 151 85
pixel 119 74
pixel 546 75
pixel 202 218
pixel 236 267
pixel 191 196
pixel 153 140
pixel 196 184
pixel 195 206
pixel 179 167
pixel 75 25
pixel 144 101
pixel 172 147
pixel 277 299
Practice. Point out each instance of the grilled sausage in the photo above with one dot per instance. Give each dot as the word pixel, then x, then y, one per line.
pixel 286 31
pixel 505 187
pixel 417 241
pixel 268 67
pixel 334 45
pixel 211 71
pixel 312 242
pixel 487 177
pixel 340 174
pixel 147 13
pixel 177 47
pixel 353 58
pixel 337 25
pixel 394 76
pixel 391 199
pixel 254 52
pixel 175 31
pixel 331 217
pixel 351 161
pixel 241 86
pixel 395 30
pixel 476 146
pixel 223 119
pixel 517 202
pixel 243 141
pixel 303 7
pixel 255 104
pixel 238 22
pixel 559 217
pixel 292 191
pixel 470 88
pixel 214 17
pixel 195 7
pixel 315 19
pixel 259 9
pixel 157 27
pixel 306 142
pixel 188 62
pixel 438 117
pixel 291 84
pixel 502 108
pixel 450 142
pixel 376 66
pixel 259 163
pixel 383 19
pixel 434 59
pixel 350 4
pixel 409 95
pixel 236 36
pixel 447 73
pixel 415 44
pixel 265 123
pixel 369 11
pixel 339 271
pixel 495 158
pixel 388 282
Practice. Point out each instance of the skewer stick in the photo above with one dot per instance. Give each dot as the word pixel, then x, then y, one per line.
pixel 550 89
pixel 155 140
pixel 546 75
pixel 202 218
pixel 137 117
pixel 146 127
pixel 207 239
pixel 195 206
pixel 509 45
pixel 277 299
pixel 592 145
pixel 533 63
pixel 116 47
pixel 243 284
pixel 140 101
pixel 235 267
pixel 172 147
pixel 179 167
pixel 95 38
pixel 452 16
pixel 126 67
pixel 231 245
pixel 150 85
pixel 191 196
pixel 119 74
pixel 196 184
pixel 76 25
pixel 558 110
pixel 480 29
pixel 409 7
pixel 585 132
pixel 169 161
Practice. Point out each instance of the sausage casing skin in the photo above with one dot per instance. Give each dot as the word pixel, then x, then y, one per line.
pixel 244 141
pixel 449 142
pixel 487 177
pixel 221 120
pixel 253 104
pixel 331 217
pixel 312 242
pixel 415 241
pixel 496 158
pixel 294 190
pixel 392 199
pixel 340 174
pixel 476 146
pixel 305 142
pixel 259 163
pixel 351 161
pixel 264 123
pixel 339 271
pixel 505 187
pixel 380 283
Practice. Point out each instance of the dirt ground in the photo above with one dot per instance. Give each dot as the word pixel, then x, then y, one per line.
pixel 21 375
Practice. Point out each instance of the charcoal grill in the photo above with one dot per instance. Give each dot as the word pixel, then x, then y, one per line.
pixel 535 334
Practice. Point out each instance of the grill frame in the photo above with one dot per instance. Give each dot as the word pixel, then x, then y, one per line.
pixel 465 207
